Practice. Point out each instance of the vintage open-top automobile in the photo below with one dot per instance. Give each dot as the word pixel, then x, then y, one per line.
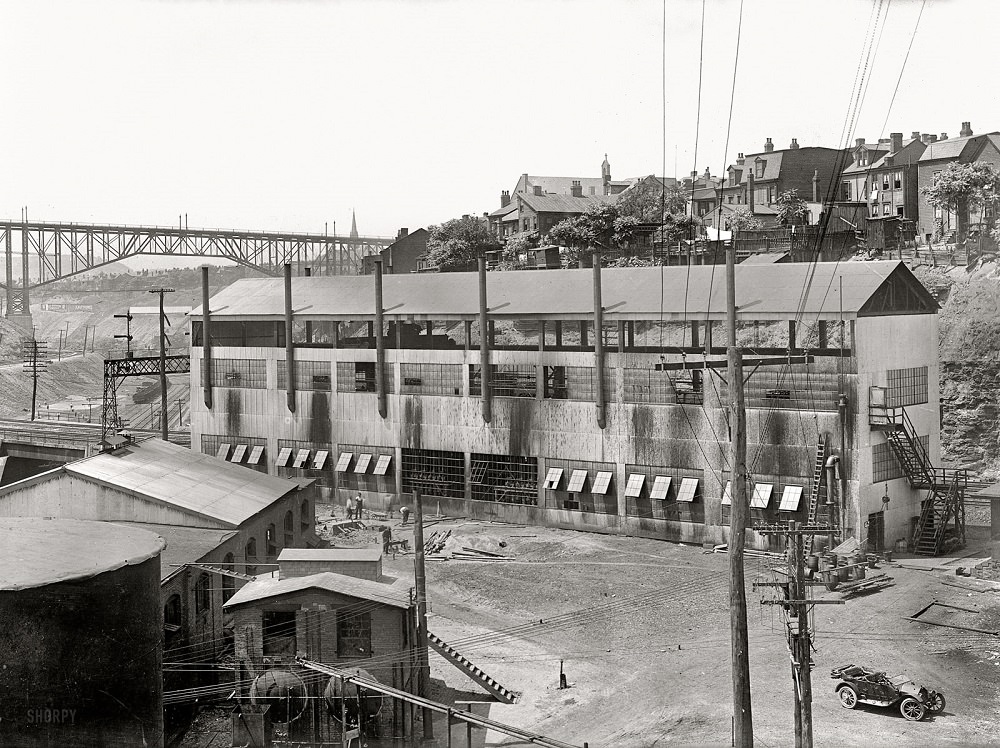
pixel 861 685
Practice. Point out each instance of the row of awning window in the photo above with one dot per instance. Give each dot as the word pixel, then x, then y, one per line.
pixel 301 458
pixel 255 453
pixel 761 497
pixel 687 491
pixel 363 462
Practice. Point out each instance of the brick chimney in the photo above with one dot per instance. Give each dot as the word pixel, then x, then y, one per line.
pixel 943 136
pixel 794 146
pixel 915 135
pixel 768 146
pixel 740 160
pixel 896 138
pixel 966 130
pixel 537 189
pixel 694 174
pixel 859 142
pixel 576 189
pixel 401 233
pixel 750 190
pixel 504 199
pixel 928 138
pixel 889 160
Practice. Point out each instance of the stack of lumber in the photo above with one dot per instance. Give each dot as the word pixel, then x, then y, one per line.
pixel 475 554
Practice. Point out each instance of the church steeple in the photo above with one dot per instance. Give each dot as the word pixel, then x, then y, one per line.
pixel 606 175
pixel 354 225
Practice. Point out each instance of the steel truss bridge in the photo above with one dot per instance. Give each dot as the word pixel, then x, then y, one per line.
pixel 60 250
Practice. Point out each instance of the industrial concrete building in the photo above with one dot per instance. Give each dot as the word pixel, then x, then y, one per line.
pixel 625 431
pixel 76 671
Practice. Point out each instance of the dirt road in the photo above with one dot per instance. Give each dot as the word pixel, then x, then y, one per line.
pixel 643 630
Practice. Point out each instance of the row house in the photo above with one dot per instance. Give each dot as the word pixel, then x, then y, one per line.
pixel 757 179
pixel 938 154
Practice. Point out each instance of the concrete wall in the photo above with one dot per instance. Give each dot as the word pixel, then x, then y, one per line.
pixel 883 343
pixel 82 661
pixel 669 436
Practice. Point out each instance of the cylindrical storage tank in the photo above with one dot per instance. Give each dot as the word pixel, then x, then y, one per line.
pixel 283 691
pixel 81 627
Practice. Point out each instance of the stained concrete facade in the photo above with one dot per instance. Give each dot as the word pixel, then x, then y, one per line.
pixel 652 425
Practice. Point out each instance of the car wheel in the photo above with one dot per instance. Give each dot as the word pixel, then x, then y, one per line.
pixel 936 703
pixel 848 697
pixel 912 709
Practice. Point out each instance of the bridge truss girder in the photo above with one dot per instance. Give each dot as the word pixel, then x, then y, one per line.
pixel 60 250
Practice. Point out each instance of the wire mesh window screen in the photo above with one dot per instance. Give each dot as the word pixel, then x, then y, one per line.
pixel 650 385
pixel 431 379
pixel 663 494
pixel 906 387
pixel 309 375
pixel 576 383
pixel 359 376
pixel 434 472
pixel 513 380
pixel 505 479
pixel 575 491
pixel 238 372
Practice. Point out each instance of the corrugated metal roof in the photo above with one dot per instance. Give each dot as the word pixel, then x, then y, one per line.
pixel 767 292
pixel 270 586
pixel 36 551
pixel 330 554
pixel 185 545
pixel 189 481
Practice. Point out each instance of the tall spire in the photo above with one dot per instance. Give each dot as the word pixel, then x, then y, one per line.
pixel 606 175
pixel 354 225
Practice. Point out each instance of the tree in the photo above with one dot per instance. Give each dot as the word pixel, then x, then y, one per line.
pixel 964 188
pixel 648 200
pixel 457 244
pixel 516 248
pixel 791 208
pixel 743 220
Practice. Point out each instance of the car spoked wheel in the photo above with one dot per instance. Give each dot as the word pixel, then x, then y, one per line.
pixel 936 703
pixel 848 697
pixel 912 709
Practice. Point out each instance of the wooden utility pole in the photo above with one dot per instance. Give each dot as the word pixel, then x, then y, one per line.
pixel 163 364
pixel 740 510
pixel 420 580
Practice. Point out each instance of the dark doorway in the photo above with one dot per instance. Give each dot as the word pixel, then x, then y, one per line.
pixel 876 532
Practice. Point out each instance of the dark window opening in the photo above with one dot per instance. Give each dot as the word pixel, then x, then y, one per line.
pixel 289 529
pixel 434 473
pixel 505 479
pixel 555 382
pixel 250 553
pixel 202 594
pixel 228 583
pixel 278 634
pixel 172 612
pixel 272 543
pixel 354 635
pixel 305 516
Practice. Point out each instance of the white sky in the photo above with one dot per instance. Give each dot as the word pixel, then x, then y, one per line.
pixel 286 115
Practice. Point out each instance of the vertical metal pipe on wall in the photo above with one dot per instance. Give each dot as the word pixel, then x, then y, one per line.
pixel 599 344
pixel 289 346
pixel 206 339
pixel 484 344
pixel 379 342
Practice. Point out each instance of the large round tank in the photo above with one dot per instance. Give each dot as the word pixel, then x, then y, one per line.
pixel 283 691
pixel 338 691
pixel 80 634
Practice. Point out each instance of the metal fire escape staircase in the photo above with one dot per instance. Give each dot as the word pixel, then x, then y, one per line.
pixel 458 660
pixel 945 502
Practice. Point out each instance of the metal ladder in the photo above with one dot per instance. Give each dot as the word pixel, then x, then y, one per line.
pixel 817 485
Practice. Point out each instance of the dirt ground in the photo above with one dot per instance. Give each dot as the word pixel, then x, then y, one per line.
pixel 642 628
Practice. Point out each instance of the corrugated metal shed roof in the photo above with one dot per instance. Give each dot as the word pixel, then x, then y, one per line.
pixel 189 481
pixel 766 291
pixel 330 554
pixel 185 545
pixel 36 551
pixel 270 586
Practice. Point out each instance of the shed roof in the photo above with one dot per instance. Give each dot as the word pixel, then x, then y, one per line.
pixel 263 588
pixel 952 147
pixel 36 551
pixel 330 554
pixel 197 483
pixel 668 293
